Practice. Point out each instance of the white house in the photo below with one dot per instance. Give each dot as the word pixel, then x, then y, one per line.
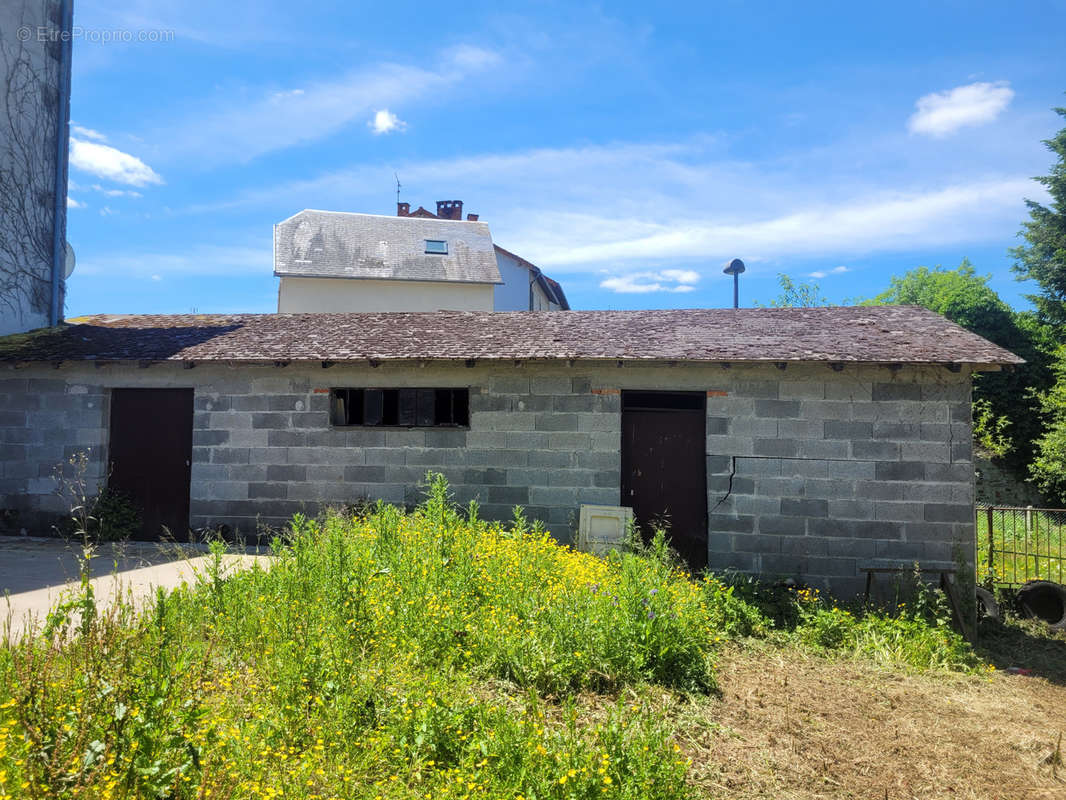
pixel 331 261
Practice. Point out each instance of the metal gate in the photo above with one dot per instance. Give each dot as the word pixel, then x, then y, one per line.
pixel 1015 544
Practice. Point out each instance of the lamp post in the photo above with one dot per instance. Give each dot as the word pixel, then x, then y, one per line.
pixel 735 267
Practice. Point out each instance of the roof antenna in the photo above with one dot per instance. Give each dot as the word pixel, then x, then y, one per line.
pixel 397 188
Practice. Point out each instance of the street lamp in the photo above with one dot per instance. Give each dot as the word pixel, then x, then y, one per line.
pixel 736 266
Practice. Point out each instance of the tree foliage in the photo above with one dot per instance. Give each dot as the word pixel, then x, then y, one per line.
pixel 801 294
pixel 1043 257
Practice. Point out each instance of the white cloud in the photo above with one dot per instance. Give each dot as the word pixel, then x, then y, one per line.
pixel 116 192
pixel 645 207
pixel 822 273
pixel 942 113
pixel 646 282
pixel 108 162
pixel 239 130
pixel 72 203
pixel 385 121
pixel 87 133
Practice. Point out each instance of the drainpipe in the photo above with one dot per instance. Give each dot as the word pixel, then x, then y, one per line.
pixel 59 240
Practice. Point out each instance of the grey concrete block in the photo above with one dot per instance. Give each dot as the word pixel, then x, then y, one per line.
pixel 754 427
pixel 267 455
pixel 943 512
pixel 804 546
pixel 580 385
pixel 949 473
pixel 228 455
pixel 801 429
pixel 879 490
pixel 287 402
pixel 509 384
pixel 564 459
pixel 719 464
pixel 931 452
pixel 250 402
pixel 825 409
pixel 848 429
pixel 569 477
pixel 782 526
pixel 511 495
pixel 490 402
pixel 757 389
pixel 779 409
pixel 603 441
pixel 553 495
pixel 271 420
pixel 849 389
pixel 938 492
pixel 897 391
pixel 778 448
pixel 527 440
pixel 745 504
pixel 851 509
pixel 730 446
pixel 268 491
pixel 529 402
pixel 378 456
pixel 871 450
pixel 853 470
pixel 550 385
pixel 803 507
pixel 801 390
pixel 490 440
pixel 823 449
pixel 570 441
pixel 204 438
pixel 852 548
pixel 405 438
pixel 756 543
pixel 899 511
pixel 733 523
pixel 899 471
pixel 897 431
pixel 571 403
pixel 286 472
pixel 601 496
pixel 556 422
pixel 599 423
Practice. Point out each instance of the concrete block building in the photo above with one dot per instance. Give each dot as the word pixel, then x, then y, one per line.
pixel 787 442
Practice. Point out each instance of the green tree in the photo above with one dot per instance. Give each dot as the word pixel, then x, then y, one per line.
pixel 1043 257
pixel 802 294
pixel 1009 416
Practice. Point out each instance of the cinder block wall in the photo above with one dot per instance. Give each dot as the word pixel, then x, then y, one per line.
pixel 810 470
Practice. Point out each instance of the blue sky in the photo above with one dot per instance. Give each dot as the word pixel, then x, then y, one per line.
pixel 629 150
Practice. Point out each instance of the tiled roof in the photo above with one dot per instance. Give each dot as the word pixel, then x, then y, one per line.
pixel 333 244
pixel 877 334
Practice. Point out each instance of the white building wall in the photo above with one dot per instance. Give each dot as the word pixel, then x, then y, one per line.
pixel 28 160
pixel 314 295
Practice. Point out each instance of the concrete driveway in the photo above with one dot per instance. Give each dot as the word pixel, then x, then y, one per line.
pixel 36 573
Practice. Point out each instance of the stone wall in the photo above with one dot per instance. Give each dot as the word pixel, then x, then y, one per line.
pixel 810 470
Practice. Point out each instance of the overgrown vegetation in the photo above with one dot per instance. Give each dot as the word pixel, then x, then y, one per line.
pixel 406 654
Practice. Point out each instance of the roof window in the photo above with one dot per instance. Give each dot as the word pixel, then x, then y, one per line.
pixel 437 246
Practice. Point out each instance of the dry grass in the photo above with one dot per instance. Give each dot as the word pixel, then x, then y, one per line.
pixel 791 725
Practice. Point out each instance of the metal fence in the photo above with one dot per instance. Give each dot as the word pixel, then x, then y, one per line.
pixel 1015 545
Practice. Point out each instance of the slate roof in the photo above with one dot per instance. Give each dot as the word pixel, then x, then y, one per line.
pixel 334 244
pixel 875 334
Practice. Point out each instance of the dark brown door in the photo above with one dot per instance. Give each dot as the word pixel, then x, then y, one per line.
pixel 664 472
pixel 151 454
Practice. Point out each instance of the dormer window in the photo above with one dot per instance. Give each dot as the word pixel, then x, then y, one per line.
pixel 437 247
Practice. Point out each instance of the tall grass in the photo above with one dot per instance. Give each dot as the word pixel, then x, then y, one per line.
pixel 388 655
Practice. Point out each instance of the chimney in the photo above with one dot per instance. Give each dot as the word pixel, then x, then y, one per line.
pixel 471 217
pixel 403 209
pixel 450 209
